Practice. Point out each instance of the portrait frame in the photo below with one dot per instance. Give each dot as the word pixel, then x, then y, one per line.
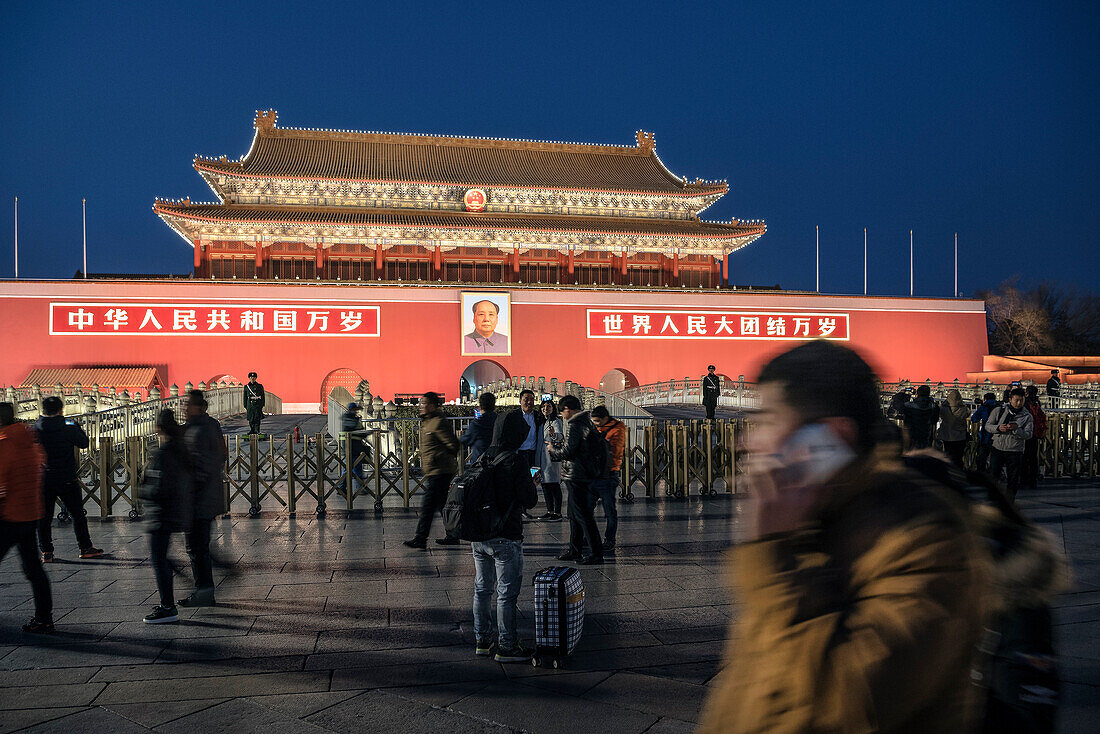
pixel 470 339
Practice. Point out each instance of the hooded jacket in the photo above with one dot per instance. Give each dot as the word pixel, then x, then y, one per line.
pixel 614 431
pixel 575 462
pixel 981 415
pixel 20 475
pixel 59 437
pixel 478 435
pixel 953 418
pixel 1013 441
pixel 920 420
pixel 864 620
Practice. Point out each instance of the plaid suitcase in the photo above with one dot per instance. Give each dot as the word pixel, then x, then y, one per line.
pixel 559 614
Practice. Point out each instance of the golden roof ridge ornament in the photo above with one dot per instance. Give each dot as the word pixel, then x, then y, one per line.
pixel 646 141
pixel 265 120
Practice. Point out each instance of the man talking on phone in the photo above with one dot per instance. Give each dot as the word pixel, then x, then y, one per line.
pixel 860 579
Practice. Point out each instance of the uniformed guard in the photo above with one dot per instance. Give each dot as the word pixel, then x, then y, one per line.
pixel 254 403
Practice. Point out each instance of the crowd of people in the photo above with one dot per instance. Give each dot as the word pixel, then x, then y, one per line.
pixel 1005 438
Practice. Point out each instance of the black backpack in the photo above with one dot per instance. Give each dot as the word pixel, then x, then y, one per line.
pixel 1017 668
pixel 470 512
pixel 598 455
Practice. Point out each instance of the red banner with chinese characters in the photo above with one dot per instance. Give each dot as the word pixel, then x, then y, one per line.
pixel 214 319
pixel 635 324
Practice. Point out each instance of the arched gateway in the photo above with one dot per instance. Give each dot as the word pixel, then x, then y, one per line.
pixel 480 373
pixel 344 377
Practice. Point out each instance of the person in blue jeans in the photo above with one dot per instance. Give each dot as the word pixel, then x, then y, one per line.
pixel 607 489
pixel 498 562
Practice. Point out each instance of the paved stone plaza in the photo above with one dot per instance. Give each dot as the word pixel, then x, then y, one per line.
pixel 334 626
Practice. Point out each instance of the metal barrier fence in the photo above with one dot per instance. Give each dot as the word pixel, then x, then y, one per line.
pixel 318 473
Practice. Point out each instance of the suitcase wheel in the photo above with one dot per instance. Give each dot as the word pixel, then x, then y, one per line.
pixel 536 661
pixel 555 663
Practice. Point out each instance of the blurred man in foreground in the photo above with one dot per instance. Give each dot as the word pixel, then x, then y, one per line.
pixel 860 579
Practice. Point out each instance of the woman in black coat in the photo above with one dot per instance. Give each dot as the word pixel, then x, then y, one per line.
pixel 167 494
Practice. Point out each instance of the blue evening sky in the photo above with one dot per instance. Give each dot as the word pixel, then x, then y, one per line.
pixel 977 117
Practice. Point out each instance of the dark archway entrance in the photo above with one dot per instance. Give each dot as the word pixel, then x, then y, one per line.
pixel 480 373
pixel 617 380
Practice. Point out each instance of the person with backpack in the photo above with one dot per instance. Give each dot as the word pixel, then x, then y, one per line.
pixel 503 484
pixel 479 433
pixel 953 424
pixel 1029 469
pixel 985 438
pixel 584 458
pixel 860 581
pixel 1011 426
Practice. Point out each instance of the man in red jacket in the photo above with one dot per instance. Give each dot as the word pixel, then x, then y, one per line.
pixel 21 460
pixel 607 489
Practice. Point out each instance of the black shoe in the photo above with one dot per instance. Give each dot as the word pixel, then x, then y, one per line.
pixel 591 561
pixel 517 654
pixel 47 557
pixel 162 615
pixel 448 541
pixel 608 545
pixel 569 556
pixel 551 517
pixel 197 600
pixel 91 552
pixel 416 543
pixel 38 627
pixel 483 648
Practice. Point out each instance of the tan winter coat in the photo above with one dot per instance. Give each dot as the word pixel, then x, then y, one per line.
pixel 865 621
pixel 438 446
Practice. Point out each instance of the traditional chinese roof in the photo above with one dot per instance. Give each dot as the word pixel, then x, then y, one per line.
pixel 120 377
pixel 188 219
pixel 371 156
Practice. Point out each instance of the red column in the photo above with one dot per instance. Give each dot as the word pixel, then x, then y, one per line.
pixel 198 255
pixel 379 262
pixel 259 256
pixel 725 270
pixel 675 268
pixel 320 258
pixel 571 263
pixel 623 257
pixel 515 260
pixel 438 259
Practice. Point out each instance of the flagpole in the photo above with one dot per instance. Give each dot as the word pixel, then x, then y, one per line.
pixel 910 263
pixel 956 265
pixel 17 238
pixel 864 261
pixel 84 217
pixel 817 258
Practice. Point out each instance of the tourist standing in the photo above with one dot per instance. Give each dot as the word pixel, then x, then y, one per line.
pixel 860 583
pixel 1029 468
pixel 206 452
pixel 953 427
pixel 533 419
pixel 577 473
pixel 551 435
pixel 21 461
pixel 498 561
pixel 438 461
pixel 169 503
pixel 1011 426
pixel 254 399
pixel 712 390
pixel 1054 389
pixel 920 419
pixel 479 434
pixel 985 438
pixel 606 488
pixel 61 437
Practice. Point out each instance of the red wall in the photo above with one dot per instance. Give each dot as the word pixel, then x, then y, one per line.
pixel 419 343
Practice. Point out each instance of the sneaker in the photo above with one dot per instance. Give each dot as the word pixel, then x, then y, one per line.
pixel 161 615
pixel 38 627
pixel 517 654
pixel 608 545
pixel 47 557
pixel 197 600
pixel 484 647
pixel 416 543
pixel 591 561
pixel 91 552
pixel 551 517
pixel 447 541
pixel 569 556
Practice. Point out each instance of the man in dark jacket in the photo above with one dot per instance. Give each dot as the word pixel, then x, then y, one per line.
pixel 577 473
pixel 985 438
pixel 206 449
pixel 352 424
pixel 499 561
pixel 712 389
pixel 438 452
pixel 60 437
pixel 254 399
pixel 920 418
pixel 479 433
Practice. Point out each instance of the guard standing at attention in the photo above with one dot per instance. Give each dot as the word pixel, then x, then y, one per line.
pixel 254 403
pixel 712 389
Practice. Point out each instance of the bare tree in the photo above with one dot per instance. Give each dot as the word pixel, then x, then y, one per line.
pixel 1043 320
